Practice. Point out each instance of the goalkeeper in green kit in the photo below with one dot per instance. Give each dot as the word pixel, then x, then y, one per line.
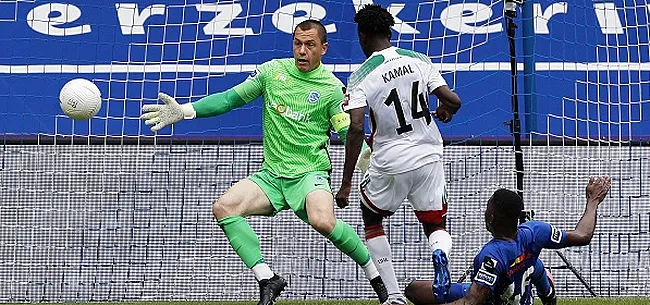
pixel 301 103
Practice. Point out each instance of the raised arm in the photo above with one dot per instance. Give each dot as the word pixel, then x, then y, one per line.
pixel 597 190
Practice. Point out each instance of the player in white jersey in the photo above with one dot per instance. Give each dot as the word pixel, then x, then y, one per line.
pixel 406 144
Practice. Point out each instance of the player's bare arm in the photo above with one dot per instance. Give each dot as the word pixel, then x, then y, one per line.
pixel 596 190
pixel 477 295
pixel 419 293
pixel 354 141
pixel 449 104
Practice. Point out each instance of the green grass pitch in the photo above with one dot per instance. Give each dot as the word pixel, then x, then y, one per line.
pixel 582 301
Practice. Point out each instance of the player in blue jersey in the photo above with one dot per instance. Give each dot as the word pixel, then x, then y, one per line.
pixel 507 264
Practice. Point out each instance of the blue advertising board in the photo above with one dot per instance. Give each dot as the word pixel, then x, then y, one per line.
pixel 592 60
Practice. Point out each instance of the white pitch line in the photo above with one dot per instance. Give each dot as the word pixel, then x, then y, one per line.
pixel 222 69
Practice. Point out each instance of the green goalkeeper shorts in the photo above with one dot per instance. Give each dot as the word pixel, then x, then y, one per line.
pixel 290 193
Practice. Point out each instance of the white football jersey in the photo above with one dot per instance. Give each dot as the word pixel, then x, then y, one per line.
pixel 396 84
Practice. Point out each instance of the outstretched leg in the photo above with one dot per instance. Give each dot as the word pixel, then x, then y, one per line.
pixel 440 244
pixel 380 252
pixel 544 284
pixel 420 292
pixel 320 213
pixel 243 199
pixel 428 197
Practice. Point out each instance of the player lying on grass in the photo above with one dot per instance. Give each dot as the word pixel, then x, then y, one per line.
pixel 541 279
pixel 406 160
pixel 301 103
pixel 505 266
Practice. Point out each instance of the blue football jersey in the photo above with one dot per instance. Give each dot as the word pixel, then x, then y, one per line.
pixel 505 267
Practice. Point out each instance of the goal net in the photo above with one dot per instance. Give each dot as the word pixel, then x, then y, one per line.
pixel 592 120
pixel 105 210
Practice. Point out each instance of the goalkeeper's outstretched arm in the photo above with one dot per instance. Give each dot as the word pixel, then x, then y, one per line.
pixel 171 112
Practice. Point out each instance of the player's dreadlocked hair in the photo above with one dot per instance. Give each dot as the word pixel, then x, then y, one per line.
pixel 374 20
pixel 508 205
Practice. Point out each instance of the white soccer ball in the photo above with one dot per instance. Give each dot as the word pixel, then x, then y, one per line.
pixel 80 99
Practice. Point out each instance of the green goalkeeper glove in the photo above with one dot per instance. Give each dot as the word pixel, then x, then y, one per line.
pixel 364 160
pixel 168 113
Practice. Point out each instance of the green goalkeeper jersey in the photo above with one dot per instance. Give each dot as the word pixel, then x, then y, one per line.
pixel 298 113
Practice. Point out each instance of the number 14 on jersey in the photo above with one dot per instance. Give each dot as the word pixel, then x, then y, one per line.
pixel 419 107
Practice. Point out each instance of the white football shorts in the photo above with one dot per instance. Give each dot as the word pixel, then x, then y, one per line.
pixel 424 187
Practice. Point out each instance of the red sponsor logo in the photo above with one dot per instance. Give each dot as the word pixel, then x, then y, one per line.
pixel 518 264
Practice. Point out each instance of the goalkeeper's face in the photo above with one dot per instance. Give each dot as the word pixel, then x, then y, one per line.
pixel 308 49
